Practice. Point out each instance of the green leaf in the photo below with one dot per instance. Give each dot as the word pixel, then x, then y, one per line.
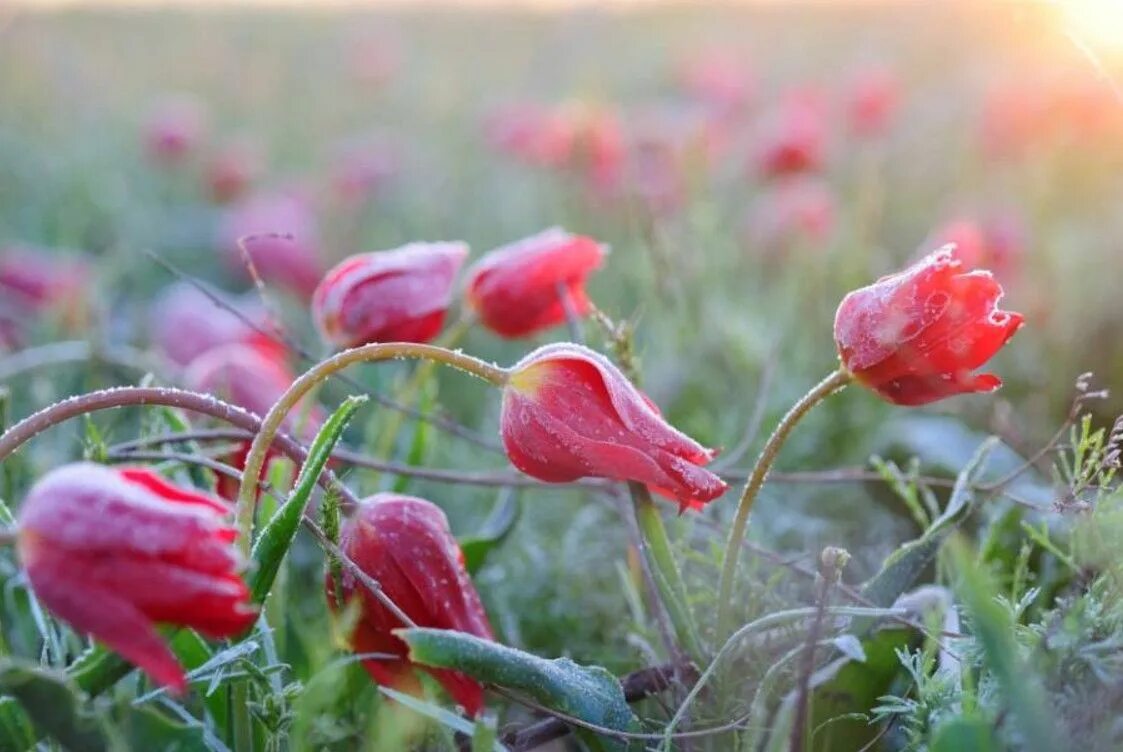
pixel 444 717
pixel 589 693
pixel 16 732
pixel 494 530
pixel 271 546
pixel 53 703
pixel 98 669
pixel 419 445
pixel 905 565
pixel 993 627
pixel 842 694
pixel 151 729
pixel 964 735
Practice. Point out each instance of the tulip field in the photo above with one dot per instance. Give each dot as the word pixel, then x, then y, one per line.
pixel 523 377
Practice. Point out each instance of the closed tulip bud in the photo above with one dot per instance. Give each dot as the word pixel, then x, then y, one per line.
pixel 915 337
pixel 114 552
pixel 569 413
pixel 36 283
pixel 518 290
pixel 388 296
pixel 280 233
pixel 872 101
pixel 404 543
pixel 175 128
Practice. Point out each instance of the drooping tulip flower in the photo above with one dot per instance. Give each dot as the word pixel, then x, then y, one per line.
pixel 175 128
pixel 916 336
pixel 185 322
pixel 35 282
pixel 872 100
pixel 792 138
pixel 798 212
pixel 251 374
pixel 280 233
pixel 400 295
pixel 115 551
pixel 404 543
pixel 516 289
pixel 569 413
pixel 232 170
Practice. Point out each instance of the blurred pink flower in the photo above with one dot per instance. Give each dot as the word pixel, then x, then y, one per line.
pixel 185 322
pixel 175 128
pixel 796 212
pixel 37 281
pixel 361 168
pixel 718 79
pixel 375 57
pixel 231 170
pixel 536 135
pixel 873 98
pixel 792 137
pixel 280 232
pixel 998 243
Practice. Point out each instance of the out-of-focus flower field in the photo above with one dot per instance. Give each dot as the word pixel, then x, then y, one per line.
pixel 175 186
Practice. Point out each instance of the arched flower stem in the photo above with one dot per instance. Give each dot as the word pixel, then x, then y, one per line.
pixel 825 388
pixel 272 422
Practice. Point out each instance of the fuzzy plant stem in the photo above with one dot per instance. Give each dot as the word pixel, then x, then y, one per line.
pixel 825 388
pixel 272 422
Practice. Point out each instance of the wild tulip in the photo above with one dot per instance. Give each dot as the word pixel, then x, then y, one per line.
pixel 361 169
pixel 404 543
pixel 718 79
pixel 532 134
pixel 569 413
pixel 115 551
pixel 916 336
pixel 400 295
pixel 997 243
pixel 280 232
pixel 186 322
pixel 517 290
pixel 36 281
pixel 231 171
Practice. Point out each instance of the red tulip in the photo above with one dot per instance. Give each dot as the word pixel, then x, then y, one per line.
pixel 175 128
pixel 793 137
pixel 186 323
pixel 516 289
pixel 252 375
pixel 405 544
pixel 388 296
pixel 873 99
pixel 281 234
pixel 113 552
pixel 533 134
pixel 569 413
pixel 916 336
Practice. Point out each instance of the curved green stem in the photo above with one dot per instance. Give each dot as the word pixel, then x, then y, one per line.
pixel 828 386
pixel 408 391
pixel 271 424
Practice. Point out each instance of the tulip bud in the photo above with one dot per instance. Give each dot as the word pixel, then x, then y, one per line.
pixel 113 552
pixel 175 128
pixel 873 97
pixel 35 281
pixel 569 413
pixel 517 290
pixel 914 337
pixel 281 235
pixel 388 296
pixel 793 137
pixel 404 543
